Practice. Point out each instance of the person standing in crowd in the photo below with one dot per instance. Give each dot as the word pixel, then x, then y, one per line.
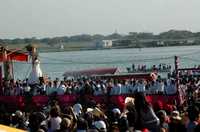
pixel 54 119
pixel 18 88
pixel 87 88
pixel 171 87
pixel 124 89
pixel 146 115
pixel 133 67
pixel 153 87
pixel 141 86
pixel 116 89
pixel 194 118
pixel 176 124
pixel 61 89
pixel 132 87
pixel 162 115
pixel 49 88
pixel 160 86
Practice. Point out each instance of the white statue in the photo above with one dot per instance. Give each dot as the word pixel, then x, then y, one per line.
pixel 36 73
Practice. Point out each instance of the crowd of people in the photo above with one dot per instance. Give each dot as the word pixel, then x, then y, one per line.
pixel 96 86
pixel 92 86
pixel 90 116
pixel 137 116
pixel 144 68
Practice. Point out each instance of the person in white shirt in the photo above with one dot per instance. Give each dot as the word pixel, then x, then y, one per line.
pixel 132 87
pixel 116 90
pixel 54 119
pixel 160 85
pixel 171 89
pixel 153 88
pixel 97 90
pixel 125 88
pixel 103 88
pixel 61 89
pixel 141 86
pixel 49 88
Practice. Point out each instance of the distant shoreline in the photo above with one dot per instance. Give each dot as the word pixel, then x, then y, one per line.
pixel 87 49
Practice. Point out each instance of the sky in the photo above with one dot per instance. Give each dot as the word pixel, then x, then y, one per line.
pixel 50 18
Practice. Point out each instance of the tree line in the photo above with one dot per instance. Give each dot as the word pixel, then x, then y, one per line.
pixel 171 34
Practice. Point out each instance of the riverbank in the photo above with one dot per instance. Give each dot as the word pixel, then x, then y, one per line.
pixel 84 46
pixel 43 50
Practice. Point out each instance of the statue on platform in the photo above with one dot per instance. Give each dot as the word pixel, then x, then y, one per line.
pixel 36 72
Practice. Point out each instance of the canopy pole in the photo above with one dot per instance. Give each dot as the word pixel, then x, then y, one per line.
pixel 8 68
pixel 1 81
pixel 176 61
pixel 176 71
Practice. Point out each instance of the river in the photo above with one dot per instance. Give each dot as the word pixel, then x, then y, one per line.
pixel 54 64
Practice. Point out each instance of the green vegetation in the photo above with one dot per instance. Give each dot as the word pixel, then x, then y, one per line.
pixel 85 41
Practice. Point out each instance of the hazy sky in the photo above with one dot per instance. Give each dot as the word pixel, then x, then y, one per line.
pixel 48 18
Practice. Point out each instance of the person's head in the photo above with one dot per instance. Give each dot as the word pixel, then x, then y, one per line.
pixel 35 120
pixel 18 113
pixel 162 115
pixel 175 117
pixel 116 112
pixel 41 79
pixel 40 130
pixel 77 108
pixel 65 124
pixel 61 82
pixel 36 57
pixel 100 126
pixel 82 124
pixel 54 103
pixel 55 111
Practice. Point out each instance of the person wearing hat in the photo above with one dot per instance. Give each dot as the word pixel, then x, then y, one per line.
pixel 175 124
pixel 100 126
pixel 175 115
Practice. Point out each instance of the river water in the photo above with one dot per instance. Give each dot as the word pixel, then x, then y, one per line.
pixel 54 64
